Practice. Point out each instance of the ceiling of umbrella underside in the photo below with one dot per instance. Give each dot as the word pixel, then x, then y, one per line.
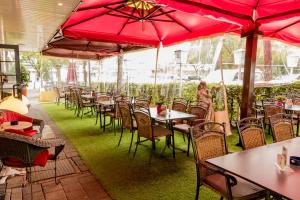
pixel 138 22
pixel 76 54
pixel 30 23
pixel 277 19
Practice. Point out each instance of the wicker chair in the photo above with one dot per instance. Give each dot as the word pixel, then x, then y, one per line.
pixel 183 128
pixel 127 122
pixel 82 104
pixel 141 103
pixel 282 127
pixel 59 95
pixel 179 104
pixel 100 110
pixel 270 110
pixel 147 129
pixel 209 141
pixel 114 112
pixel 251 133
pixel 21 151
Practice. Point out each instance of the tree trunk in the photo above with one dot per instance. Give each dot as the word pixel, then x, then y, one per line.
pixel 58 74
pixel 120 74
pixel 267 60
pixel 84 72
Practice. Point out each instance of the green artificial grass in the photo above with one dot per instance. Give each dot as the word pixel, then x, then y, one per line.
pixel 125 177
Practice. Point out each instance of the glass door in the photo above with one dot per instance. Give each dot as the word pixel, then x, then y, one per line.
pixel 9 68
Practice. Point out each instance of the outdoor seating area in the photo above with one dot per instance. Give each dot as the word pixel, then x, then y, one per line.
pixel 149 99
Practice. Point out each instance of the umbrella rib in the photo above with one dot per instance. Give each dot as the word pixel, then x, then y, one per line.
pixel 123 26
pixel 215 9
pixel 163 13
pixel 151 14
pixel 100 6
pixel 287 26
pixel 156 30
pixel 126 17
pixel 279 14
pixel 177 22
pixel 121 12
pixel 90 18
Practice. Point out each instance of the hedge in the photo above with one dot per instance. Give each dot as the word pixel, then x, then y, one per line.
pixel 168 91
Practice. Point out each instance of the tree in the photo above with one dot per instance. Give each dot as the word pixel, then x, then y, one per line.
pixel 42 65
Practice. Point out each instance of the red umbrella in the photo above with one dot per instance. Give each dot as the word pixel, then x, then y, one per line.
pixel 278 19
pixel 66 53
pixel 138 22
pixel 72 74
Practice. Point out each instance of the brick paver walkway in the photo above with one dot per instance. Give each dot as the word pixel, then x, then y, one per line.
pixel 81 185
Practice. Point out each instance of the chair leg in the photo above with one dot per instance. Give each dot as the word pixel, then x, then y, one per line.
pixel 173 145
pixel 132 134
pixel 197 189
pixel 121 136
pixel 137 143
pixel 96 118
pixel 189 143
pixel 55 172
pixel 114 124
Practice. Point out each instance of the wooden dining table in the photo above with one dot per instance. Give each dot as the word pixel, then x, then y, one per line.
pixel 258 167
pixel 169 117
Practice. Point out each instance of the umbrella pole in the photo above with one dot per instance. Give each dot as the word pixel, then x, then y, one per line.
pixel 156 67
pixel 249 75
pixel 89 68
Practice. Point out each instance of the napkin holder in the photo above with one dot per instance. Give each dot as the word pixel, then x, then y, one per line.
pixel 295 160
pixel 13 123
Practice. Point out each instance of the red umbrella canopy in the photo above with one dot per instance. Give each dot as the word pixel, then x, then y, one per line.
pixel 138 22
pixel 278 19
pixel 77 54
pixel 72 74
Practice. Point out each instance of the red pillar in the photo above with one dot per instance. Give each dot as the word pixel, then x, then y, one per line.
pixel 249 75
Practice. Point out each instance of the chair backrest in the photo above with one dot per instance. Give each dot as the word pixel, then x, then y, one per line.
pixel 271 110
pixel 126 116
pixel 251 133
pixel 296 101
pixel 282 127
pixel 144 123
pixel 140 102
pixel 209 141
pixel 103 98
pixel 198 110
pixel 179 105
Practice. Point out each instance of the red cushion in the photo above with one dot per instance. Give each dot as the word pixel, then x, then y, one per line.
pixel 40 160
pixel 29 133
pixel 14 116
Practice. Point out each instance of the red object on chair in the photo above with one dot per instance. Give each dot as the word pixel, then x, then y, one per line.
pixel 40 160
pixel 29 133
pixel 9 116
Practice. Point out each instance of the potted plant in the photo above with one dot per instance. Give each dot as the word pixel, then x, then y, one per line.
pixel 220 106
pixel 24 80
pixel 160 105
pixel 280 100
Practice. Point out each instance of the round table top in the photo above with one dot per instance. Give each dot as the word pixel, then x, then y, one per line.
pixel 20 126
pixel 293 107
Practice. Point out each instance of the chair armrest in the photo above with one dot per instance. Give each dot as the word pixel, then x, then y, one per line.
pixel 58 144
pixel 39 122
pixel 194 122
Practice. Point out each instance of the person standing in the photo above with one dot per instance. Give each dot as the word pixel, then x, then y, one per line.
pixel 204 99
